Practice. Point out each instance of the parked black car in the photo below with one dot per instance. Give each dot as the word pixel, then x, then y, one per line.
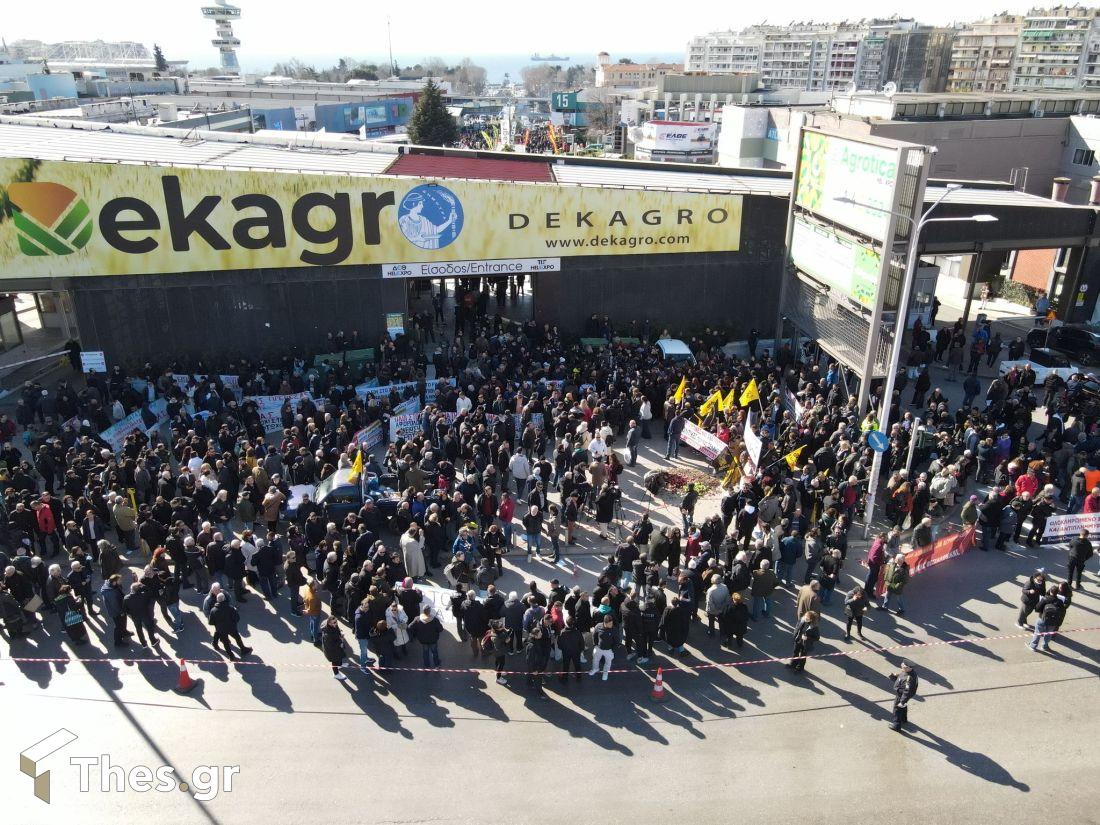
pixel 1081 343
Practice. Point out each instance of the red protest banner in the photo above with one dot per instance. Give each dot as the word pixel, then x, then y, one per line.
pixel 946 547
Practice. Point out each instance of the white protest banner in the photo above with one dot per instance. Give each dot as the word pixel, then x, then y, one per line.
pixel 230 381
pixel 706 443
pixel 753 444
pixel 404 427
pixel 431 389
pixel 115 435
pixel 791 402
pixel 269 406
pixel 1066 528
pixel 370 436
pixel 409 408
pixel 439 599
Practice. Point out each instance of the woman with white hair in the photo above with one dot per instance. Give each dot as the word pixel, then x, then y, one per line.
pixel 54 582
pixel 211 599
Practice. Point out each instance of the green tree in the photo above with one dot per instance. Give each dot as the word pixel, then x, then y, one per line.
pixel 158 57
pixel 431 124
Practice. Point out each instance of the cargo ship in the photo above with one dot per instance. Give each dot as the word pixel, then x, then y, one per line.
pixel 553 58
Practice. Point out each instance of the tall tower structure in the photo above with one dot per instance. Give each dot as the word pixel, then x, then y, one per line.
pixel 223 16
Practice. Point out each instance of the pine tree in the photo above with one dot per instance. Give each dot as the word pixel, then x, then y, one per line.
pixel 158 56
pixel 431 124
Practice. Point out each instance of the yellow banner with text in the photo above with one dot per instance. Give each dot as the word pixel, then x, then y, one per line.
pixel 61 219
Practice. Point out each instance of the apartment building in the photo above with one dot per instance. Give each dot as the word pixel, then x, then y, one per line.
pixel 1058 50
pixel 631 75
pixel 982 55
pixel 825 56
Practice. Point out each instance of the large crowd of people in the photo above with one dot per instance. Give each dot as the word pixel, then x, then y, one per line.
pixel 526 444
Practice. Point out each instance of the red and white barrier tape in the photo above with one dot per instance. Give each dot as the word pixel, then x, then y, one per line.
pixel 478 670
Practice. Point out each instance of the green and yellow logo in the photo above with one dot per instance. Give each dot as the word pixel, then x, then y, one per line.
pixel 50 219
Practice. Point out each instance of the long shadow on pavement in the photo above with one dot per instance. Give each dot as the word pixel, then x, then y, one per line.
pixel 972 762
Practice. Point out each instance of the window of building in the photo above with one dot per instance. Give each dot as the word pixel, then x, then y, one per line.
pixel 1084 157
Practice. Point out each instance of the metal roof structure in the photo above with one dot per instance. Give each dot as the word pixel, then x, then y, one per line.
pixel 58 140
pixel 631 176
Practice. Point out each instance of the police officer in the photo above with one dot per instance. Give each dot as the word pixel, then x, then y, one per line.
pixel 905 688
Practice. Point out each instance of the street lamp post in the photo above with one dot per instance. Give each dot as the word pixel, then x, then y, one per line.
pixel 912 258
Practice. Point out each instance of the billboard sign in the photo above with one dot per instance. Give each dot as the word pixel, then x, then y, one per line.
pixel 834 168
pixel 836 259
pixel 673 137
pixel 84 219
pixel 562 101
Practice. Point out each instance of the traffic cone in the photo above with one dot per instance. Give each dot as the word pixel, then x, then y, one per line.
pixel 185 682
pixel 658 692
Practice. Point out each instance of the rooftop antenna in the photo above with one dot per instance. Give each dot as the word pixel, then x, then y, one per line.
pixel 389 41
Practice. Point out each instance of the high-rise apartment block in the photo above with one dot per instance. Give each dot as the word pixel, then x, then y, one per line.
pixel 1056 49
pixel 827 56
pixel 982 55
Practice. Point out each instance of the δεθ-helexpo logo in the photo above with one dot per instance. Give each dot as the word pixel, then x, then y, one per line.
pixel 430 216
pixel 50 219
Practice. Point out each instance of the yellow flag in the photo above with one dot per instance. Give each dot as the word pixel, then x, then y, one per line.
pixel 750 394
pixel 792 457
pixel 709 404
pixel 356 467
pixel 679 395
pixel 733 476
pixel 728 402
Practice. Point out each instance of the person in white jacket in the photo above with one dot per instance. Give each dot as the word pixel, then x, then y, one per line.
pixel 520 468
pixel 645 415
pixel 412 550
pixel 463 404
pixel 398 622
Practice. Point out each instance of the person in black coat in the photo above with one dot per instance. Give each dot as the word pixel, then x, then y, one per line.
pixel 1030 594
pixel 650 617
pixel 266 562
pixel 632 627
pixel 234 569
pixel 806 635
pixel 226 621
pixel 332 645
pixel 475 617
pixel 855 604
pixel 734 621
pixel 538 657
pixel 1080 551
pixel 295 581
pixel 427 629
pixel 137 606
pixel 571 645
pixel 905 688
pixel 674 625
pixel 382 643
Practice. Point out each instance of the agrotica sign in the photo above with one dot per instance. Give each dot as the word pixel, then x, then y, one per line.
pixel 84 219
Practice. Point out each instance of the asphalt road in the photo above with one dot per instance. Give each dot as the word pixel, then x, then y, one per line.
pixel 1002 734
